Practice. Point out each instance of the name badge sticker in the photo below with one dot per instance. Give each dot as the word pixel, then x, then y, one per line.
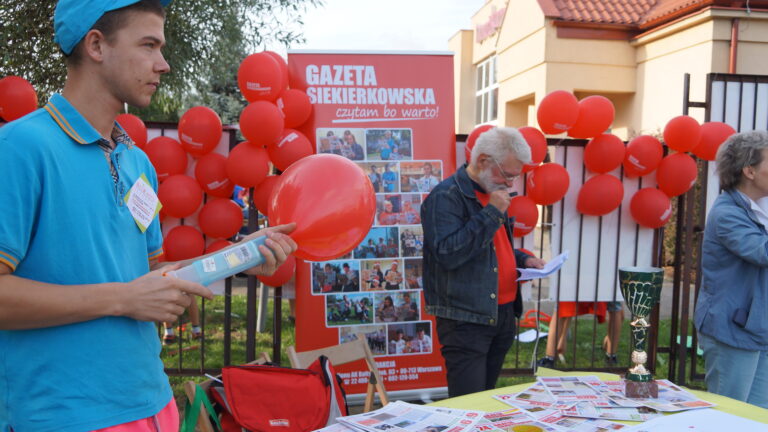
pixel 142 202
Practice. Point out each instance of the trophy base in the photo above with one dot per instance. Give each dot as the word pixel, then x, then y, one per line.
pixel 641 390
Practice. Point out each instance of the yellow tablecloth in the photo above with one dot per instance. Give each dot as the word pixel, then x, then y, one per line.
pixel 484 402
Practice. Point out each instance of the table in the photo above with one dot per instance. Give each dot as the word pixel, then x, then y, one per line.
pixel 484 402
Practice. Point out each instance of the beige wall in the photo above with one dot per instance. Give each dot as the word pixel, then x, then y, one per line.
pixel 464 81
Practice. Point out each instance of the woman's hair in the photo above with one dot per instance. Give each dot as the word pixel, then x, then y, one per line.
pixel 499 142
pixel 738 152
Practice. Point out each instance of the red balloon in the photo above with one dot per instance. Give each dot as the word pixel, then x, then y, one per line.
pixel 183 242
pixel 476 132
pixel 282 275
pixel 200 130
pixel 538 144
pixel 526 215
pixel 292 146
pixel 17 98
pixel 261 123
pixel 712 135
pixel 259 78
pixel 548 183
pixel 333 213
pixel 596 115
pixel 180 195
pixel 604 153
pixel 682 133
pixel 220 218
pixel 650 208
pixel 295 106
pixel 642 156
pixel 557 112
pixel 600 195
pixel 262 193
pixel 676 174
pixel 217 245
pixel 166 156
pixel 135 129
pixel 247 164
pixel 283 68
pixel 211 174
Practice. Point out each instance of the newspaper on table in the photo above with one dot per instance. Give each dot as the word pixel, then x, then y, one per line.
pixel 508 419
pixel 671 397
pixel 578 424
pixel 588 410
pixel 338 427
pixel 534 396
pixel 574 389
pixel 404 417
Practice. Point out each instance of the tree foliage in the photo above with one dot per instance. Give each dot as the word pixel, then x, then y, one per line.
pixel 206 41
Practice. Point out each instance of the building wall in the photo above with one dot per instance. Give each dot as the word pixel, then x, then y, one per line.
pixel 464 78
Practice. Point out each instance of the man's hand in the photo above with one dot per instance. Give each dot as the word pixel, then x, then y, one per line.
pixel 500 199
pixel 534 262
pixel 275 250
pixel 154 297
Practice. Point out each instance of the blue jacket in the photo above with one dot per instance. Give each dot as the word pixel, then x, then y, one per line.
pixel 460 267
pixel 733 300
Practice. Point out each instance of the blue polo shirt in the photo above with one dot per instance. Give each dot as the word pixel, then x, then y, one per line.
pixel 63 221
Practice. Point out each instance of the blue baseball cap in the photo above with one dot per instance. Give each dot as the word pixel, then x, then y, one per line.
pixel 73 19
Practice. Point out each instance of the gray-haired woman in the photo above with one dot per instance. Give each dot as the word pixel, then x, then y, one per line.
pixel 732 308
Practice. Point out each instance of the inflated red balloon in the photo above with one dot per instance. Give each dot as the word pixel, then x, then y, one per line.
pixel 604 153
pixel 333 212
pixel 295 106
pixel 596 115
pixel 557 112
pixel 600 195
pixel 282 275
pixel 17 98
pixel 472 137
pixel 199 130
pixel 682 133
pixel 217 245
pixel 713 134
pixel 538 144
pixel 211 173
pixel 259 78
pixel 220 218
pixel 650 208
pixel 166 156
pixel 526 215
pixel 261 123
pixel 183 242
pixel 292 146
pixel 180 195
pixel 262 193
pixel 642 156
pixel 548 183
pixel 283 68
pixel 676 174
pixel 247 164
pixel 135 128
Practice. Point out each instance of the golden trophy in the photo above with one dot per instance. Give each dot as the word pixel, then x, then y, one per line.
pixel 641 287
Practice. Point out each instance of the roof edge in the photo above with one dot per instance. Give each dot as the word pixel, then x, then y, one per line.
pixel 549 8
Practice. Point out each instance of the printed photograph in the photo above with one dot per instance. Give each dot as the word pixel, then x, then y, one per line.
pixel 420 176
pixel 409 338
pixel 383 176
pixel 376 335
pixel 399 306
pixel 389 144
pixel 348 309
pixel 414 271
pixel 372 274
pixel 343 142
pixel 335 276
pixel 412 240
pixel 380 242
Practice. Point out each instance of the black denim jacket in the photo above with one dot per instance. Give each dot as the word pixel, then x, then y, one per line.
pixel 460 266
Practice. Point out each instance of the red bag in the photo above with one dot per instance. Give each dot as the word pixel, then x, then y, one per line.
pixel 260 398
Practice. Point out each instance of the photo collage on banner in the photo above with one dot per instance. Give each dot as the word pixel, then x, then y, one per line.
pixel 376 289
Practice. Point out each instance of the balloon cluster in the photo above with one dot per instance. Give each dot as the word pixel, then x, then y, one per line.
pixel 17 98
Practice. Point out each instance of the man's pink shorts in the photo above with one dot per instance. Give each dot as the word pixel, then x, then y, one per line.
pixel 166 420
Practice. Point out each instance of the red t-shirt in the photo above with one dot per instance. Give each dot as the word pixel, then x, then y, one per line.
pixel 505 256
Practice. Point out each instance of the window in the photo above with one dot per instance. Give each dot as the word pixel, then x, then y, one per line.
pixel 486 92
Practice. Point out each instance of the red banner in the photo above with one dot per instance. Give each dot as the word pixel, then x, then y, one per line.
pixel 393 115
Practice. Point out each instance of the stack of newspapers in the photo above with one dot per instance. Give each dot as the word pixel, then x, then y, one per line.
pixel 584 404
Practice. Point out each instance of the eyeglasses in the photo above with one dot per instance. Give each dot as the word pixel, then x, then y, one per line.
pixel 507 177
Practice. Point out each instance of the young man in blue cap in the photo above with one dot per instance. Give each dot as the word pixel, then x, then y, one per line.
pixel 79 239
